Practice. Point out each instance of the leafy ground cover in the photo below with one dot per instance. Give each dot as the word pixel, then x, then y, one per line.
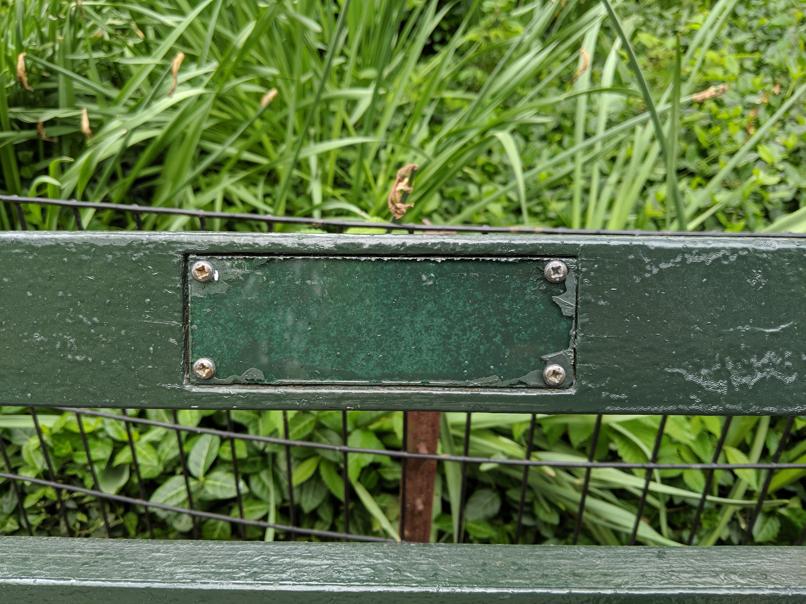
pixel 659 115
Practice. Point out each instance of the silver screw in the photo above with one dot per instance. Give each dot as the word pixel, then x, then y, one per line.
pixel 554 375
pixel 202 271
pixel 204 368
pixel 556 271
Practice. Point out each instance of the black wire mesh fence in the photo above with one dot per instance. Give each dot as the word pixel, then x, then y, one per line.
pixel 347 475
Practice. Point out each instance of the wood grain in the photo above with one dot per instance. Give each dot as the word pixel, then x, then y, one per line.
pixel 48 570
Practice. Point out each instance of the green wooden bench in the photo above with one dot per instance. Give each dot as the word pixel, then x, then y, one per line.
pixel 471 321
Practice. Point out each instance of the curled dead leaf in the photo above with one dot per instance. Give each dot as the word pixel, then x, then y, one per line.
pixel 584 63
pixel 42 133
pixel 175 65
pixel 268 98
pixel 85 123
pixel 400 191
pixel 709 93
pixel 22 74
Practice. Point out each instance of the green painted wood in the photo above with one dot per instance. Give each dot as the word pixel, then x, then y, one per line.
pixel 671 324
pixel 378 321
pixel 95 570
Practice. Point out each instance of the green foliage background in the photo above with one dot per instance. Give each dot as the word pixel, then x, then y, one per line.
pixel 517 113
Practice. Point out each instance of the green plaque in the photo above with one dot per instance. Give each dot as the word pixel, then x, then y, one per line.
pixel 463 322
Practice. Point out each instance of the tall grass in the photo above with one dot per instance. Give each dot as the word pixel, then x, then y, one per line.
pixel 363 88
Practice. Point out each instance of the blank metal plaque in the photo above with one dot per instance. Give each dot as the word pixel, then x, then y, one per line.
pixel 469 322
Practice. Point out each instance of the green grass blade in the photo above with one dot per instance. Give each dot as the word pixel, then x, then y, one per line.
pixel 374 509
pixel 789 223
pixel 587 52
pixel 335 42
pixel 593 219
pixel 106 91
pixel 672 187
pixel 650 103
pixel 136 81
pixel 511 149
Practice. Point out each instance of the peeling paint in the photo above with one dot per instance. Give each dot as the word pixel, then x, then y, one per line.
pixel 728 374
pixel 567 301
pixel 775 329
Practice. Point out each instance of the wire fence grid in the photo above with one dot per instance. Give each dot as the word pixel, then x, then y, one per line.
pixel 26 434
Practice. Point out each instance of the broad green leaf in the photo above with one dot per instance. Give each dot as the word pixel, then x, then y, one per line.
pixel 312 494
pixel 171 492
pixel 766 153
pixel 253 509
pixel 679 428
pixel 480 529
pixel 269 423
pixel 482 505
pixel 148 460
pixel 112 478
pixel 332 478
pixel 783 478
pixel 116 430
pixel 361 439
pixel 304 470
pixel 736 456
pixel 189 417
pixel 766 528
pixel 216 529
pixel 262 485
pixel 203 454
pixel 628 449
pixel 220 484
pixel 32 454
pixel 301 425
pixel 694 479
pixel 100 452
pixel 241 450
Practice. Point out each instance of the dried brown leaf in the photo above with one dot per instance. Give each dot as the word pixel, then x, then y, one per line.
pixel 175 65
pixel 584 63
pixel 268 98
pixel 400 191
pixel 709 93
pixel 85 123
pixel 22 74
pixel 42 133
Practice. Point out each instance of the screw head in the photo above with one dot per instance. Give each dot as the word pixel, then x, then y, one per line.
pixel 554 375
pixel 204 368
pixel 555 271
pixel 202 271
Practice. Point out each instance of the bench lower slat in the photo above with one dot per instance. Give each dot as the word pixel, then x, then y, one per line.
pixel 87 570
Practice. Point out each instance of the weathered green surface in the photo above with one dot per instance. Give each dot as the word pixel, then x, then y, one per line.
pixel 664 324
pixel 91 570
pixel 414 321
